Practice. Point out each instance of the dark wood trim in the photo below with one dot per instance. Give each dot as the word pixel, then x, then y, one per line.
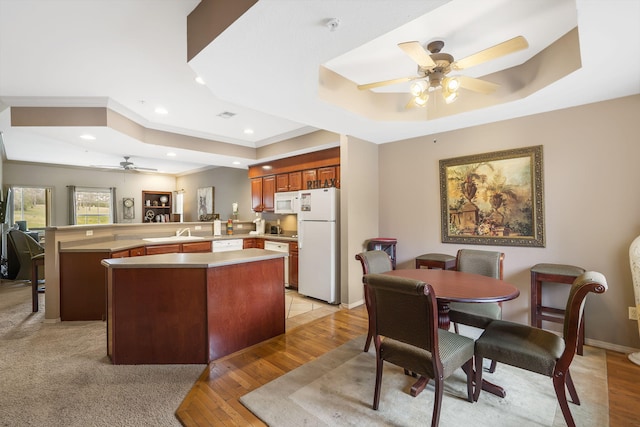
pixel 317 159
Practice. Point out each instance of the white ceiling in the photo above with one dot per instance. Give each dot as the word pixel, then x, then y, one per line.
pixel 130 56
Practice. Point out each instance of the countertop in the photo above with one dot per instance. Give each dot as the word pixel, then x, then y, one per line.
pixel 129 242
pixel 193 260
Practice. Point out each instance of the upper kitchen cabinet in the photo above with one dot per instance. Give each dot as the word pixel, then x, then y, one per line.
pixel 309 177
pixel 328 176
pixel 262 193
pixel 312 170
pixel 156 206
pixel 289 182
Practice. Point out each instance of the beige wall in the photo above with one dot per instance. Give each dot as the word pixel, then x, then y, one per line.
pixel 128 184
pixel 231 185
pixel 358 212
pixel 591 204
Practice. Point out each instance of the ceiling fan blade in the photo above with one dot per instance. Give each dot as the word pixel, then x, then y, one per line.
pixel 418 54
pixel 501 49
pixel 387 82
pixel 143 169
pixel 477 85
pixel 105 166
pixel 411 104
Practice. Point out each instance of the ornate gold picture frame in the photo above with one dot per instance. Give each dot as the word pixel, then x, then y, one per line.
pixel 493 198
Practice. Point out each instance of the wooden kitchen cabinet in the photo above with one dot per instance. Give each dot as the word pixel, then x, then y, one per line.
pixel 128 252
pixel 327 176
pixel 309 176
pixel 260 243
pixel 82 283
pixel 248 243
pixel 289 181
pixel 191 247
pixel 173 248
pixel 262 193
pixel 293 265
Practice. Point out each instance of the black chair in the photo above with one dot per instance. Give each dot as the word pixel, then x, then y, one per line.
pixel 485 263
pixel 376 261
pixel 24 248
pixel 541 351
pixel 406 315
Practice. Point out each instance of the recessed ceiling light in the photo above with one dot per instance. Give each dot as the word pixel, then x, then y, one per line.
pixel 161 110
pixel 171 154
pixel 200 80
pixel 248 131
pixel 88 137
pixel 235 162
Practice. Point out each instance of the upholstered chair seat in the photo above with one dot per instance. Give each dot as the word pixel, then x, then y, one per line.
pixel 540 351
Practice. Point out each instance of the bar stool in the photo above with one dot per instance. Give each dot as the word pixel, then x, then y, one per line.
pixel 441 261
pixel 553 273
pixel 36 262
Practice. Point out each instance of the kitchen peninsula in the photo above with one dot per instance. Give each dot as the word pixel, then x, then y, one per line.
pixel 76 279
pixel 192 307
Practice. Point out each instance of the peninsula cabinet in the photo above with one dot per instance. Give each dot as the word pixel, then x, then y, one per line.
pixel 82 291
pixel 262 193
pixel 192 309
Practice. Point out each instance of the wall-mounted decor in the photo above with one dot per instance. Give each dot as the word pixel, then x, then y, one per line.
pixel 127 208
pixel 493 198
pixel 205 203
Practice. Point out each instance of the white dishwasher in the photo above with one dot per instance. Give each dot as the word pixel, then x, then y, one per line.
pixel 227 245
pixel 270 245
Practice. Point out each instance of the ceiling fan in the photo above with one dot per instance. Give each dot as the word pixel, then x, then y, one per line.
pixel 127 166
pixel 434 67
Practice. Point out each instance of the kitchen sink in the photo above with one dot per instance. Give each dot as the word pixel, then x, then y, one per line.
pixel 171 239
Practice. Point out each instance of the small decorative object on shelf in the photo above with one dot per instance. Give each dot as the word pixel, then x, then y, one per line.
pixel 164 200
pixel 229 226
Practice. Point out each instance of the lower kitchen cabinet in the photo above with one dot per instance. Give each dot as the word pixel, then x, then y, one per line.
pixel 293 265
pixel 248 243
pixel 192 247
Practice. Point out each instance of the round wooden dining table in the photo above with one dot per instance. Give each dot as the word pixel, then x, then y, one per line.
pixel 457 286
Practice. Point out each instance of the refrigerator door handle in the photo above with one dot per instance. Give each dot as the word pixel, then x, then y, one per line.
pixel 300 234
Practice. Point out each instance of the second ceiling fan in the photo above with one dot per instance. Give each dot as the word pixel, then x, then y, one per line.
pixel 434 67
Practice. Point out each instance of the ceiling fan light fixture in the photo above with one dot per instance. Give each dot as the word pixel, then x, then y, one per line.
pixel 421 100
pixel 418 88
pixel 449 97
pixel 452 84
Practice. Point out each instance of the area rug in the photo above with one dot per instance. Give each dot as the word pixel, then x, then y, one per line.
pixel 337 390
pixel 58 374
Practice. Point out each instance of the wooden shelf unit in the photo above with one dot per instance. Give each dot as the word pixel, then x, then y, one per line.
pixel 156 206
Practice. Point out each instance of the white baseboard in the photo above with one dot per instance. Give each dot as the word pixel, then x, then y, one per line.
pixel 610 346
pixel 352 305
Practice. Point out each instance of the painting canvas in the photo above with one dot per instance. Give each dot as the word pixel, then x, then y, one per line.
pixel 205 203
pixel 493 198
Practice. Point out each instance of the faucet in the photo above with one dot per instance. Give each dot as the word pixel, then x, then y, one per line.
pixel 181 231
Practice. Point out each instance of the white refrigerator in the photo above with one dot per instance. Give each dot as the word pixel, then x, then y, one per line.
pixel 318 247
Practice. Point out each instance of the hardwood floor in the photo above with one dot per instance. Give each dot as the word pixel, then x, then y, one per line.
pixel 213 401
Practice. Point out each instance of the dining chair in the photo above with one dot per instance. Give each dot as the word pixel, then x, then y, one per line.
pixel 376 261
pixel 406 315
pixel 486 263
pixel 540 351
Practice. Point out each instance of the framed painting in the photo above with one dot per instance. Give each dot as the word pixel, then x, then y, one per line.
pixel 493 198
pixel 205 203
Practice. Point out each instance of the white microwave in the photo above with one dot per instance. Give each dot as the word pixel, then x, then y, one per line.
pixel 286 203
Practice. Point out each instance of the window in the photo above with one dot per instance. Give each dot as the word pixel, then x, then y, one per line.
pixel 30 204
pixel 91 205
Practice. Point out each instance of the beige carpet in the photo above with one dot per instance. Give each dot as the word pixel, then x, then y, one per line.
pixel 337 390
pixel 59 375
